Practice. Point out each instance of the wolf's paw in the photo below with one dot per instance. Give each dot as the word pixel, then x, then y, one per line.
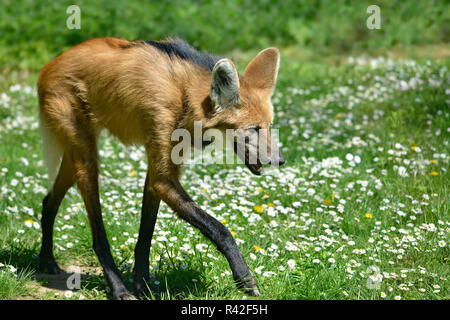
pixel 248 285
pixel 123 295
pixel 49 266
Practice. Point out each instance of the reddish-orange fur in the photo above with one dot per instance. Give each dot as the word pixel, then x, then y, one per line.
pixel 140 95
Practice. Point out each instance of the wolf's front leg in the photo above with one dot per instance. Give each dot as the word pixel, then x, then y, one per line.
pixel 171 192
pixel 150 206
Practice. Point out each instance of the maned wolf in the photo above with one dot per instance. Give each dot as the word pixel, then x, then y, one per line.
pixel 142 91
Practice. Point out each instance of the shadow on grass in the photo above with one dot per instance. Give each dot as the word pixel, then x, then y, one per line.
pixel 23 259
pixel 177 284
pixel 26 261
pixel 172 283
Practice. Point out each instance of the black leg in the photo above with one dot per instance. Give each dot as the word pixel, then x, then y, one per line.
pixel 47 263
pixel 50 205
pixel 87 182
pixel 150 206
pixel 176 197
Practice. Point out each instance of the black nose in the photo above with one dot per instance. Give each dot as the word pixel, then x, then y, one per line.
pixel 281 160
pixel 278 161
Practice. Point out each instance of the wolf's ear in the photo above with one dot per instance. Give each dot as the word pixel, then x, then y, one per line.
pixel 262 71
pixel 224 84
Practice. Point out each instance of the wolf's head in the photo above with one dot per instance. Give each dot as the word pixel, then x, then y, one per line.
pixel 243 103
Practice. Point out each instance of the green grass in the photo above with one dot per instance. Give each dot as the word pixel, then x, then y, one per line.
pixel 12 284
pixel 336 219
pixel 31 32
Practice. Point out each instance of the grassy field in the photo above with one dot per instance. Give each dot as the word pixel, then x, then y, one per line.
pixel 34 31
pixel 359 211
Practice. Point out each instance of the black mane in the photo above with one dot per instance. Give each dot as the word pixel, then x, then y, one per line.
pixel 181 49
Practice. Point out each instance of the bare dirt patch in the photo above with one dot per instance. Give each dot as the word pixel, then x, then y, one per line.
pixel 48 287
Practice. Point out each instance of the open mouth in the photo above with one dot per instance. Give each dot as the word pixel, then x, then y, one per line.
pixel 255 168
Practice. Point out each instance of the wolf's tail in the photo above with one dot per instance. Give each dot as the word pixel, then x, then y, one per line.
pixel 52 151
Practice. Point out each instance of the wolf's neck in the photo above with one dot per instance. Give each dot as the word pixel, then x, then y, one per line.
pixel 197 105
